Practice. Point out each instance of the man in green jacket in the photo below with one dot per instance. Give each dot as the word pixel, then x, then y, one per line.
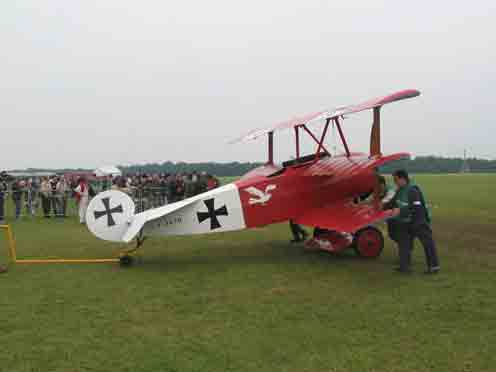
pixel 412 221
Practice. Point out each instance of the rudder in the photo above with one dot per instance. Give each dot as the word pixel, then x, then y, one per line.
pixel 110 214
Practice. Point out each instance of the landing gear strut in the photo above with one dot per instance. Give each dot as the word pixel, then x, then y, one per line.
pixel 126 258
pixel 367 242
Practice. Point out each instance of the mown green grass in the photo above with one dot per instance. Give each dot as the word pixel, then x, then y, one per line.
pixel 250 301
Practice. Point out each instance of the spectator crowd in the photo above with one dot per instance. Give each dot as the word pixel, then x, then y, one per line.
pixel 56 195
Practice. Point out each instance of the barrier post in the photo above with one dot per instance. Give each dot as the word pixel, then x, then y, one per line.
pixel 11 242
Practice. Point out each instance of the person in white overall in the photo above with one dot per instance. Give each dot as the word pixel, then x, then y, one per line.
pixel 82 195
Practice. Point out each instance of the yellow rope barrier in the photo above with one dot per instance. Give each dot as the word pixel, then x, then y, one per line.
pixel 14 259
pixel 67 260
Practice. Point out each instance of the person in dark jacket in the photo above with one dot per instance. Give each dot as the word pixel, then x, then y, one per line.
pixel 412 221
pixel 54 205
pixel 3 193
pixel 202 183
pixel 164 189
pixel 171 191
pixel 17 197
pixel 190 185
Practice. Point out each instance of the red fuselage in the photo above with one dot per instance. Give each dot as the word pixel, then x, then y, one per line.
pixel 297 188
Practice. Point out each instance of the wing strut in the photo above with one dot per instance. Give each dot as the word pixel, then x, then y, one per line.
pixel 297 140
pixel 271 148
pixel 322 138
pixel 321 145
pixel 345 144
pixel 375 134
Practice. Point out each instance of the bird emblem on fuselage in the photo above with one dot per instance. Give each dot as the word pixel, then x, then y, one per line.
pixel 260 197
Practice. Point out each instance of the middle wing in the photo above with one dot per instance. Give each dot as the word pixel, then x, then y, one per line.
pixel 342 166
pixel 343 216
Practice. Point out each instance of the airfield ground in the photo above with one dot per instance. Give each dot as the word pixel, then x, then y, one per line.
pixel 250 301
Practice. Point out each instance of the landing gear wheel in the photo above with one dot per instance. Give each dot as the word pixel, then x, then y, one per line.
pixel 126 260
pixel 368 242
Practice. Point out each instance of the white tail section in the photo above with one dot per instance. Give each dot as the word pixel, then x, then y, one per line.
pixel 218 210
pixel 111 215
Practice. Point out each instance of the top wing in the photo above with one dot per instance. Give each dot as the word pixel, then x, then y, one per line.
pixel 291 123
pixel 320 116
pixel 374 102
pixel 343 216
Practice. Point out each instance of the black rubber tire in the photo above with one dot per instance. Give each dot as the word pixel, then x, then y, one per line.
pixel 373 239
pixel 126 260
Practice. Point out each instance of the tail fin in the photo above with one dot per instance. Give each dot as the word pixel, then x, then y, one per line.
pixel 109 215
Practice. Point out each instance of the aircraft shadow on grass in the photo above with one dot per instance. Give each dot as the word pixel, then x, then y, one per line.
pixel 273 253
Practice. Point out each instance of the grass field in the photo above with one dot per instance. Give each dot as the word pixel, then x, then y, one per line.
pixel 250 301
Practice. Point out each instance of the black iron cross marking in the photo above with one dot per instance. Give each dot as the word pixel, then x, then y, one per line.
pixel 212 214
pixel 108 212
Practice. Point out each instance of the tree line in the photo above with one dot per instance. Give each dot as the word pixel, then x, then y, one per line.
pixel 436 164
pixel 420 164
pixel 218 169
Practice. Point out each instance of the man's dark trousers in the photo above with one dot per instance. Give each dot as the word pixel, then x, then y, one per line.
pixel 424 233
pixel 405 244
pixel 392 230
pixel 406 235
pixel 45 203
pixel 2 209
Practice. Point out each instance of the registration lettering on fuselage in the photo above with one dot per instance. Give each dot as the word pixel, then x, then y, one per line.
pixel 170 221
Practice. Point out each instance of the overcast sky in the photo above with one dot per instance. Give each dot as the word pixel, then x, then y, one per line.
pixel 87 83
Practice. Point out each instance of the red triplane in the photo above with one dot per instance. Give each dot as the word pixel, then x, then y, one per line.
pixel 317 190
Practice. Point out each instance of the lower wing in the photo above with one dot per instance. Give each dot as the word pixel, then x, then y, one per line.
pixel 344 216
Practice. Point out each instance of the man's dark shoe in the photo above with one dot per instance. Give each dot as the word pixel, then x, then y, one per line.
pixel 432 270
pixel 402 271
pixel 295 241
